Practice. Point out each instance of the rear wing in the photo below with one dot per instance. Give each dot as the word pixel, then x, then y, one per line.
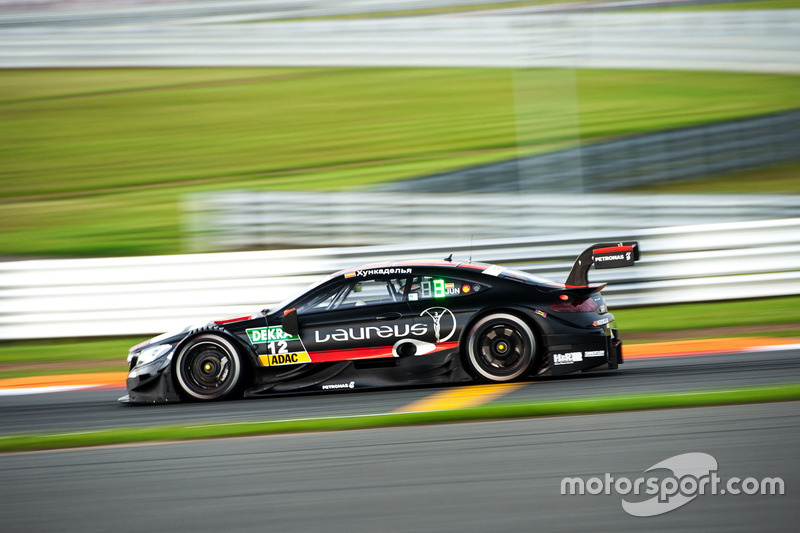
pixel 602 255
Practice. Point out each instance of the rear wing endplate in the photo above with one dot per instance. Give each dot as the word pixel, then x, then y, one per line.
pixel 602 255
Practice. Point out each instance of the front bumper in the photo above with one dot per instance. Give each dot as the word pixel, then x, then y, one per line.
pixel 152 386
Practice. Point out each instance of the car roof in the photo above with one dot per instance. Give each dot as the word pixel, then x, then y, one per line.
pixel 398 267
pixel 401 268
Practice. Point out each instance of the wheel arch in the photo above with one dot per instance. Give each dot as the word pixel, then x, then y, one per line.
pixel 246 355
pixel 526 315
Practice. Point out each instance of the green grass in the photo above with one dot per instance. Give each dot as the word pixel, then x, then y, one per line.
pixel 64 356
pixel 95 162
pixel 781 179
pixel 635 6
pixel 577 406
pixel 734 6
pixel 439 10
pixel 67 350
pixel 767 311
pixel 79 131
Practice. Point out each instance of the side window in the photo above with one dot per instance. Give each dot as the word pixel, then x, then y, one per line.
pixel 356 294
pixel 374 292
pixel 433 287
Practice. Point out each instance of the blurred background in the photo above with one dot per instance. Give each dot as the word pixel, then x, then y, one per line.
pixel 169 162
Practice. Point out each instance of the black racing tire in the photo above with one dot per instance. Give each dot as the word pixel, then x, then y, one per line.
pixel 500 347
pixel 208 367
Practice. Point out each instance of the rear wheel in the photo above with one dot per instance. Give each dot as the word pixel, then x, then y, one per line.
pixel 208 368
pixel 500 347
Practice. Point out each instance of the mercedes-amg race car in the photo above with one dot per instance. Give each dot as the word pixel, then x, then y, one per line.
pixel 393 324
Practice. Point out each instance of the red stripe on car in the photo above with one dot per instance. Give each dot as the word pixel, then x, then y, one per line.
pixel 328 356
pixel 229 320
pixel 615 249
pixel 355 354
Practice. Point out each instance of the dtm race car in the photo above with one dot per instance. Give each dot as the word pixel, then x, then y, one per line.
pixel 392 324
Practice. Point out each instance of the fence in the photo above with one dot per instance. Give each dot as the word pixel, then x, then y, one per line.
pixel 96 12
pixel 750 41
pixel 144 295
pixel 238 220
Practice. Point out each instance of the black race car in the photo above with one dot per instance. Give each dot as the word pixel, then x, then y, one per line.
pixel 391 324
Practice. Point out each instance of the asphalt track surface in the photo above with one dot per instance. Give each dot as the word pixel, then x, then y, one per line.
pixel 98 409
pixel 483 476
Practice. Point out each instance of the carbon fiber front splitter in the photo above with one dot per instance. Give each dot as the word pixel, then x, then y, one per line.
pixel 150 389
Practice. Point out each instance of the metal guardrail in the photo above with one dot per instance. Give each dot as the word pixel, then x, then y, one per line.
pixel 748 41
pixel 237 220
pixel 660 157
pixel 83 12
pixel 145 295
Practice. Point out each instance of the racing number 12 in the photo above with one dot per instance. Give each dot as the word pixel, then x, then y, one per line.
pixel 283 347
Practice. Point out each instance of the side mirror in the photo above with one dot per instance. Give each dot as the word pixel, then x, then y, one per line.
pixel 289 322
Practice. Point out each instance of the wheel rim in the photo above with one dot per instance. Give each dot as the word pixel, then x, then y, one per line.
pixel 501 347
pixel 207 369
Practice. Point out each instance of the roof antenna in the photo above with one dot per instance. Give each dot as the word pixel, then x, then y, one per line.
pixel 449 258
pixel 470 247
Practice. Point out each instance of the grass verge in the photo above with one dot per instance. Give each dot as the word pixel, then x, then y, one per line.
pixel 732 6
pixel 779 179
pixel 704 315
pixel 578 406
pixel 634 6
pixel 94 162
pixel 64 356
pixel 93 131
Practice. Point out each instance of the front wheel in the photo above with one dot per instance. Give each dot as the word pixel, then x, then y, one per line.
pixel 208 368
pixel 500 347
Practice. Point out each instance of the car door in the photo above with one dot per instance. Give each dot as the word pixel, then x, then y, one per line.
pixel 443 304
pixel 363 318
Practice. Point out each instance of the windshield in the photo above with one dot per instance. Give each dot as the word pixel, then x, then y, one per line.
pixel 297 295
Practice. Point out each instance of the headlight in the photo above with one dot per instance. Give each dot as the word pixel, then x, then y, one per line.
pixel 148 355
